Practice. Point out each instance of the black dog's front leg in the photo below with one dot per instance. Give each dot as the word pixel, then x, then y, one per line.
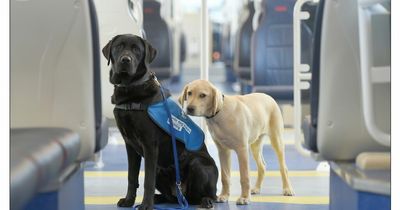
pixel 150 165
pixel 134 160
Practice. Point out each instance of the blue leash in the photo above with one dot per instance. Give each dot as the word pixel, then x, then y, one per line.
pixel 181 198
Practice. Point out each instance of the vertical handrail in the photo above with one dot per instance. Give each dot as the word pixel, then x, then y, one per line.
pixel 257 14
pixel 204 41
pixel 299 74
pixel 137 8
pixel 364 24
pixel 139 4
pixel 204 46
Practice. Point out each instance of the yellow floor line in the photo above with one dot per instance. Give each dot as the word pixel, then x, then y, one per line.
pixel 90 174
pixel 310 200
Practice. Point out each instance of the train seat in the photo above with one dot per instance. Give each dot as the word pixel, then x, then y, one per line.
pixel 227 53
pixel 183 46
pixel 333 61
pixel 243 45
pixel 350 77
pixel 341 77
pixel 272 50
pixel 55 91
pixel 159 35
pixel 39 156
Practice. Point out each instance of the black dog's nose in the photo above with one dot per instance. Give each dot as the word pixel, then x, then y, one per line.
pixel 126 59
pixel 190 109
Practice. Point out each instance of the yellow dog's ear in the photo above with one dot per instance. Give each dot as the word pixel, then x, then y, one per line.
pixel 217 101
pixel 182 97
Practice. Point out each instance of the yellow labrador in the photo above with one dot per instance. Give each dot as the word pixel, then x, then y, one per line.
pixel 237 123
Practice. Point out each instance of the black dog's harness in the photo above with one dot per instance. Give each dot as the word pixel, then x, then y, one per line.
pixel 132 106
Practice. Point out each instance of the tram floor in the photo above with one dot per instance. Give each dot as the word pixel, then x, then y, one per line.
pixel 104 187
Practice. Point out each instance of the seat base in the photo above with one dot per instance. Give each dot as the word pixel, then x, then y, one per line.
pixel 229 73
pixel 69 196
pixel 38 158
pixel 244 73
pixel 310 134
pixel 176 78
pixel 102 135
pixel 279 93
pixel 344 196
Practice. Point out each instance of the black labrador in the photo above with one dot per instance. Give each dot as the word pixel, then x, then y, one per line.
pixel 135 88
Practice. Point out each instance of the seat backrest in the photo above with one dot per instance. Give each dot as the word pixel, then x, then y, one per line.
pixel 227 50
pixel 342 133
pixel 243 42
pixel 272 44
pixel 311 142
pixel 272 50
pixel 158 34
pixel 52 68
pixel 183 47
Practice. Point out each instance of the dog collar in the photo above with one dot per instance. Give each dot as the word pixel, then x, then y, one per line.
pixel 223 96
pixel 138 106
pixel 150 75
pixel 132 106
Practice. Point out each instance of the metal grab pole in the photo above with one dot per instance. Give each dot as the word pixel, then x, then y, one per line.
pixel 204 45
pixel 299 74
pixel 204 53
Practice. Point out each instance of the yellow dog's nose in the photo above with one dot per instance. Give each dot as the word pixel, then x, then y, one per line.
pixel 190 109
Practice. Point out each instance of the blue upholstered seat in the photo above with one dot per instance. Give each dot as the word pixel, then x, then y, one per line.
pixel 272 50
pixel 160 37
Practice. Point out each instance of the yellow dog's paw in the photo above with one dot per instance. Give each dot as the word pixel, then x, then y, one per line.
pixel 222 198
pixel 288 191
pixel 243 201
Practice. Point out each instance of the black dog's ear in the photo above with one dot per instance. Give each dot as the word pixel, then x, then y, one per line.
pixel 150 52
pixel 107 49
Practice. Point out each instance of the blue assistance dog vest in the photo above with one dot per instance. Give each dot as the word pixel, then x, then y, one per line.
pixel 186 131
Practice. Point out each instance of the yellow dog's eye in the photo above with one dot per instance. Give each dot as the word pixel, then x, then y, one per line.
pixel 202 95
pixel 189 93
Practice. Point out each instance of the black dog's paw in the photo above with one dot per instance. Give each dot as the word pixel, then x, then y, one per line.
pixel 124 202
pixel 145 207
pixel 158 198
pixel 206 203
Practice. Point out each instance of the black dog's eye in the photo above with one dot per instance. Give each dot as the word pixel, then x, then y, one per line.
pixel 189 93
pixel 118 47
pixel 135 49
pixel 202 95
